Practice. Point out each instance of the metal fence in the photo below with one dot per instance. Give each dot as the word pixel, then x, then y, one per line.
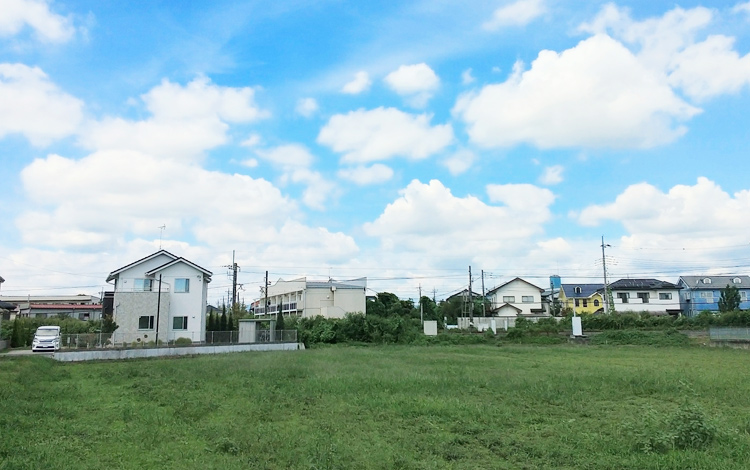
pixel 121 341
pixel 729 334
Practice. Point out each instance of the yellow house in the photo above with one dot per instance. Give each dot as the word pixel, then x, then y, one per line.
pixel 582 298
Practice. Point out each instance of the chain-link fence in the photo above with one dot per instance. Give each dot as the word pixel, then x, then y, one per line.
pixel 122 341
pixel 739 335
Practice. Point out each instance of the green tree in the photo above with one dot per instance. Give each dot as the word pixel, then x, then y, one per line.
pixel 230 322
pixel 279 320
pixel 730 299
pixel 211 322
pixel 108 324
pixel 223 319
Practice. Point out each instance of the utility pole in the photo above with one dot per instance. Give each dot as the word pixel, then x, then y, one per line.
pixel 234 269
pixel 421 307
pixel 484 297
pixel 471 300
pixel 607 305
pixel 265 307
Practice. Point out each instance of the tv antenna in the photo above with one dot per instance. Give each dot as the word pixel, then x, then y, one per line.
pixel 161 232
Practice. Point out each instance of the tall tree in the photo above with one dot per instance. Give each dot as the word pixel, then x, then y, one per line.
pixel 730 299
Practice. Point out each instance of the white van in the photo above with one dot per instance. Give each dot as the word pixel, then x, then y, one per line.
pixel 46 338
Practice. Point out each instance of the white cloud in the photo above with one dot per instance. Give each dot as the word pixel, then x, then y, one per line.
pixel 703 209
pixel 427 222
pixel 741 8
pixel 361 82
pixel 552 175
pixel 30 104
pixel 252 141
pixel 47 26
pixel 287 156
pixel 467 78
pixel 186 120
pixel 418 82
pixel 459 162
pixel 364 175
pixel 382 133
pixel 669 45
pixel 307 107
pixel 710 68
pixel 596 94
pixel 689 224
pixel 294 161
pixel 519 13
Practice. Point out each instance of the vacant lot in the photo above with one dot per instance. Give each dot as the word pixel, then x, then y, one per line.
pixel 383 407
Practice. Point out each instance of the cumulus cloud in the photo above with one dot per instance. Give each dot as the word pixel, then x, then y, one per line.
pixel 428 220
pixel 596 94
pixel 242 211
pixel 31 105
pixel 361 82
pixel 741 8
pixel 186 120
pixel 417 82
pixel 307 107
pixel 519 13
pixel 294 160
pixel 35 14
pixel 459 162
pixel 382 133
pixel 467 78
pixel 552 175
pixel 365 175
pixel 671 45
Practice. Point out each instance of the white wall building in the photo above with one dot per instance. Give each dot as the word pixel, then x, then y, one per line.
pixel 517 298
pixel 645 295
pixel 179 300
pixel 300 297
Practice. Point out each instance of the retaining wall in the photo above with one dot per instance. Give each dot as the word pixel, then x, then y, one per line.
pixel 115 354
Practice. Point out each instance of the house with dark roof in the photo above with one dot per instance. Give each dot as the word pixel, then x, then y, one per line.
pixel 702 293
pixel 300 297
pixel 160 297
pixel 645 295
pixel 582 298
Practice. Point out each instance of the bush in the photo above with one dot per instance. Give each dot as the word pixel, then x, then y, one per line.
pixel 646 338
pixel 183 342
pixel 686 428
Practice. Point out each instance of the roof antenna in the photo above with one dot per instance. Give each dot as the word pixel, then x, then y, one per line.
pixel 161 232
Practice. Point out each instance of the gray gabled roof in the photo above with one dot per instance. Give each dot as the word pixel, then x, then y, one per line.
pixel 716 282
pixel 360 283
pixel 587 290
pixel 626 284
pixel 494 289
pixel 175 259
pixel 206 272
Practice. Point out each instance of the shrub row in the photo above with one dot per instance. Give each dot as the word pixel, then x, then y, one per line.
pixel 21 331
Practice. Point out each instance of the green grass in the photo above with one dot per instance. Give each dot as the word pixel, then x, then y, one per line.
pixel 387 407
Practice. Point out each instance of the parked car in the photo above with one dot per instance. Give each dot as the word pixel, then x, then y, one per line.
pixel 46 338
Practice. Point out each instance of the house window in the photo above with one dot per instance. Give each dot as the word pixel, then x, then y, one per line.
pixel 707 280
pixel 509 298
pixel 182 285
pixel 707 295
pixel 643 296
pixel 736 280
pixel 145 285
pixel 577 290
pixel 743 295
pixel 146 322
pixel 665 296
pixel 596 302
pixel 578 302
pixel 179 323
pixel 623 296
pixel 527 299
pixel 585 302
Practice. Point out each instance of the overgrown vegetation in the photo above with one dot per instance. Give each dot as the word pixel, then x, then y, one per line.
pixel 20 332
pixel 387 407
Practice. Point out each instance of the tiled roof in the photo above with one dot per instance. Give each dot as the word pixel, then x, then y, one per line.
pixel 587 290
pixel 625 284
pixel 716 282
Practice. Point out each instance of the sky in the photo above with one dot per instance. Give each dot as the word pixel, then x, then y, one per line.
pixel 404 142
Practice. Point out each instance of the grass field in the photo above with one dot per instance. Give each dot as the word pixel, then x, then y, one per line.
pixel 386 407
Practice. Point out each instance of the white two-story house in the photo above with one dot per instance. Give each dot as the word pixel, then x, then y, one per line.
pixel 160 295
pixel 645 295
pixel 516 298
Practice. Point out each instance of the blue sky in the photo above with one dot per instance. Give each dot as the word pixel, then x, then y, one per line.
pixel 402 141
